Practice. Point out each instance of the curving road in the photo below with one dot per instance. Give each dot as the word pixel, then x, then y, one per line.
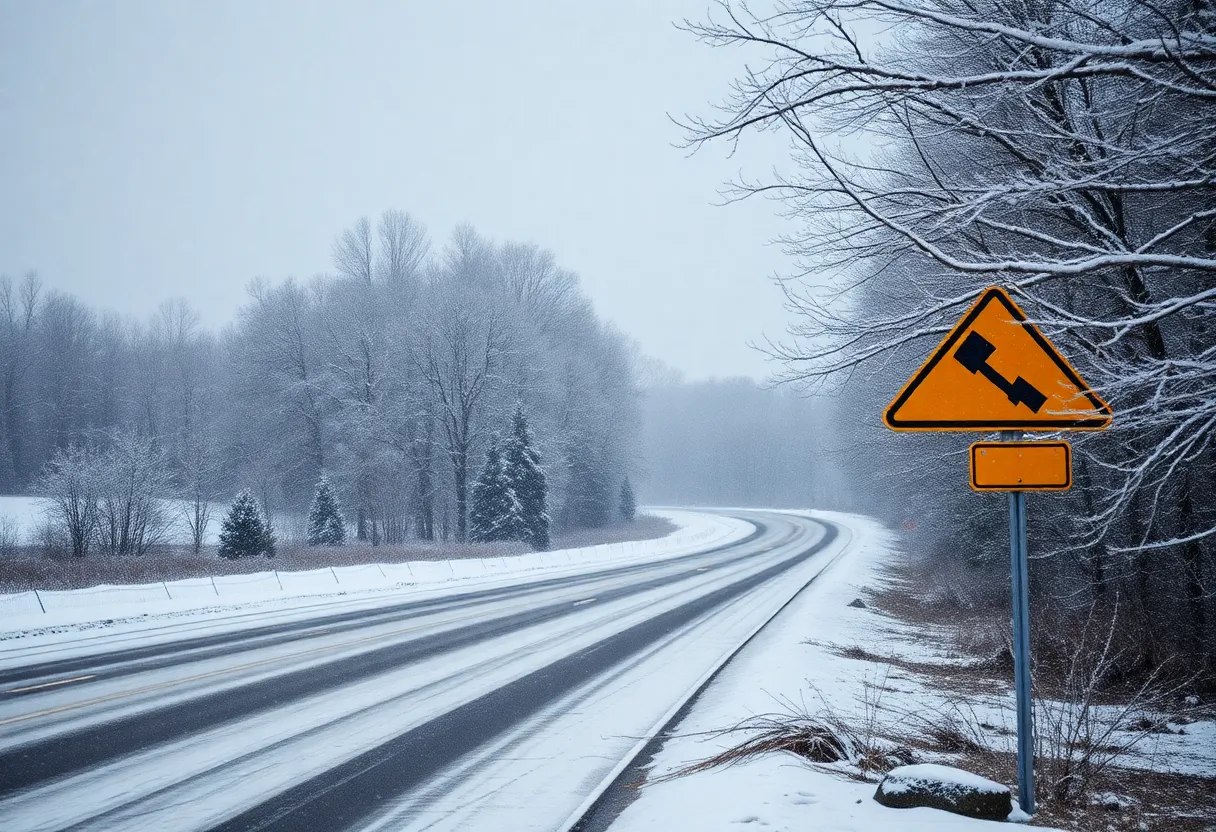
pixel 504 708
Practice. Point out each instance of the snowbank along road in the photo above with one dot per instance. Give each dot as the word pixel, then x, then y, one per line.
pixel 503 708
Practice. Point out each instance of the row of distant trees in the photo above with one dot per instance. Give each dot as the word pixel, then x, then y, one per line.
pixel 387 374
pixel 1067 151
pixel 509 505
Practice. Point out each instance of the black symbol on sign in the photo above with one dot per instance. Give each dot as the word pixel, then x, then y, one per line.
pixel 974 354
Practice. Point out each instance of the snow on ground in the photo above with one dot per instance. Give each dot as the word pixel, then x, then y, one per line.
pixel 27 514
pixel 796 665
pixel 48 617
pixel 937 773
pixel 530 777
pixel 20 518
pixel 778 672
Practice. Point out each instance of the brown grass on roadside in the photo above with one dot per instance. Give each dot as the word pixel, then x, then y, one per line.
pixel 808 737
pixel 965 677
pixel 29 570
pixel 1150 801
pixel 1147 800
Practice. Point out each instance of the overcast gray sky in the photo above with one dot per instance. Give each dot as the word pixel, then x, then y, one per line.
pixel 160 149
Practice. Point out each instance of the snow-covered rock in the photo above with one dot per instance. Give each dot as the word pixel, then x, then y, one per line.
pixel 1112 802
pixel 944 787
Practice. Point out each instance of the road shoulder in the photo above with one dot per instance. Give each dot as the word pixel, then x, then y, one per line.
pixel 794 666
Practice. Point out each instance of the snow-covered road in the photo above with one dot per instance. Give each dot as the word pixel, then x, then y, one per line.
pixel 506 707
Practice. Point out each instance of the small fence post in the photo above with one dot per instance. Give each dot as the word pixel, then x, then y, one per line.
pixel 216 588
pixel 335 574
pixel 280 580
pixel 41 606
pixel 167 593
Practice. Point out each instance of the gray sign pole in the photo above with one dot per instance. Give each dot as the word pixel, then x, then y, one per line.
pixel 1021 641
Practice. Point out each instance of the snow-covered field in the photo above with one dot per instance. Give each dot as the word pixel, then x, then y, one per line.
pixel 794 665
pixel 25 613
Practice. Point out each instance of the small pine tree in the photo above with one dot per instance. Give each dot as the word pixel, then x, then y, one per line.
pixel 527 479
pixel 326 526
pixel 245 532
pixel 629 503
pixel 495 513
pixel 589 489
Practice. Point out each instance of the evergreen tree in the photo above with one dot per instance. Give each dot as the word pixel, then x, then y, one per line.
pixel 326 525
pixel 245 532
pixel 527 479
pixel 589 493
pixel 629 503
pixel 495 514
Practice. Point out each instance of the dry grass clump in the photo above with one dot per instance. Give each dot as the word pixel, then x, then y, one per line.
pixel 821 739
pixel 808 737
pixel 854 743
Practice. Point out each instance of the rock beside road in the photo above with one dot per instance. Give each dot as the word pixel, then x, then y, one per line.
pixel 946 788
pixel 858 603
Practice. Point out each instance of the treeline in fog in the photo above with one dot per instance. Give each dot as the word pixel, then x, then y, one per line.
pixel 732 442
pixel 1067 152
pixel 391 376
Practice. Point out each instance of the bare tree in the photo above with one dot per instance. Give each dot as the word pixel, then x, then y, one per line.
pixel 70 483
pixel 132 480
pixel 404 247
pixel 352 252
pixel 458 358
pixel 280 366
pixel 198 472
pixel 1065 150
pixel 18 310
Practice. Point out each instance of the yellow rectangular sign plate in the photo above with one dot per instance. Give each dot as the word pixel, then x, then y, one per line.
pixel 1021 466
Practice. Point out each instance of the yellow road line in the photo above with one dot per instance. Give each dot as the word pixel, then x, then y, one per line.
pixel 51 684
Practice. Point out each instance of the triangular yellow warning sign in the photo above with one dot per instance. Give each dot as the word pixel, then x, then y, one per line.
pixel 995 371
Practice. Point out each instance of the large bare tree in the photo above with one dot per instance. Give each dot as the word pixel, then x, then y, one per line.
pixel 1066 150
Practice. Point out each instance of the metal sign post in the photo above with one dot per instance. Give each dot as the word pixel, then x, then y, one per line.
pixel 995 371
pixel 1020 570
